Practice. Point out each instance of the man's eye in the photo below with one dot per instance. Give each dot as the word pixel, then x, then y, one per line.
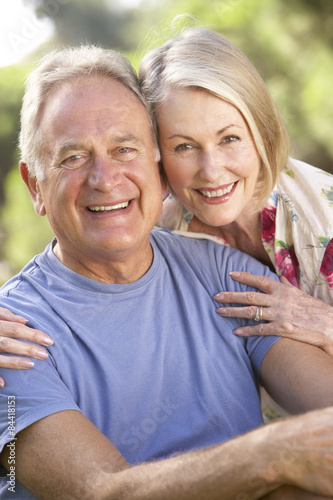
pixel 74 161
pixel 124 154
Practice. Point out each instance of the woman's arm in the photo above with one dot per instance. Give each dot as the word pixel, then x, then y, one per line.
pixel 13 327
pixel 288 311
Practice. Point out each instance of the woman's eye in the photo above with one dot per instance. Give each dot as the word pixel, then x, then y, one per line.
pixel 183 147
pixel 231 138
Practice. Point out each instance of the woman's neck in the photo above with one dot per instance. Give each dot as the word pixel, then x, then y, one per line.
pixel 244 234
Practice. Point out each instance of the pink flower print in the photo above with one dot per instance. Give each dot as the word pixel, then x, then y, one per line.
pixel 326 268
pixel 268 216
pixel 287 263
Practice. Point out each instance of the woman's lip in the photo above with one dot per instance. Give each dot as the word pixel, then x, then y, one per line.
pixel 218 194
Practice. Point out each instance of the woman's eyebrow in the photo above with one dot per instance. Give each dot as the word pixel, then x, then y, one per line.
pixel 224 129
pixel 221 131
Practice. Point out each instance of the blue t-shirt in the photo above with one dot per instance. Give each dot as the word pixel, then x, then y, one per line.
pixel 150 363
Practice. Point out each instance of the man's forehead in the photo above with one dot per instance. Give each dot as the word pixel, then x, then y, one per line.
pixel 90 93
pixel 95 104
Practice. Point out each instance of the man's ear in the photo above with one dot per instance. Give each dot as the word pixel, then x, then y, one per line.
pixel 34 189
pixel 164 182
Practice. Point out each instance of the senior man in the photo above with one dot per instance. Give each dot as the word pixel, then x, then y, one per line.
pixel 145 380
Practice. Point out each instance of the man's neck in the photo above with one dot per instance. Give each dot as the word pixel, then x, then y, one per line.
pixel 118 269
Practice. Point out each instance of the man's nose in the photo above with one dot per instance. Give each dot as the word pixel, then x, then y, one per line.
pixel 104 174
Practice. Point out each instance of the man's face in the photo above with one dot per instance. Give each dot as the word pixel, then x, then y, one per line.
pixel 101 190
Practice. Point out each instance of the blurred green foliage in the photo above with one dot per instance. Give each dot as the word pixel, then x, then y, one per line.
pixel 290 43
pixel 28 232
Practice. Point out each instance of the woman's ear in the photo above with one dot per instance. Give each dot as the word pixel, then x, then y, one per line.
pixel 34 189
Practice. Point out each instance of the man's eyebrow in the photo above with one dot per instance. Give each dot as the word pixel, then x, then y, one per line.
pixel 77 146
pixel 127 137
pixel 69 146
pixel 59 153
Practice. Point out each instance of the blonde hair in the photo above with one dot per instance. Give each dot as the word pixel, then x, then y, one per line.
pixel 58 68
pixel 199 58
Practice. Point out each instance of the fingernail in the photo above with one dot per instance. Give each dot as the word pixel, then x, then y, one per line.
pixel 41 354
pixel 237 332
pixel 221 310
pixel 26 363
pixel 234 274
pixel 2 384
pixel 219 296
pixel 47 341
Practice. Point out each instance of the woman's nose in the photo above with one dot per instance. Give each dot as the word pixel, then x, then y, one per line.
pixel 212 165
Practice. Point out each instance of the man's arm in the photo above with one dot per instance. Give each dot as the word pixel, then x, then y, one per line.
pixel 298 376
pixel 293 493
pixel 65 456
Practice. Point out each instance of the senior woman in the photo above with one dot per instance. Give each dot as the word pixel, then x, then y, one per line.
pixel 225 151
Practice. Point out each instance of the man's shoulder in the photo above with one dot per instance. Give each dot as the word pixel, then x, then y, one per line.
pixel 24 292
pixel 179 242
pixel 185 238
pixel 202 251
pixel 19 280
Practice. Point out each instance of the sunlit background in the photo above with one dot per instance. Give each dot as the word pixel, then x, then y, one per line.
pixel 290 43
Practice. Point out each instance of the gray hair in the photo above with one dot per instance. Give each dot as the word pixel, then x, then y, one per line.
pixel 199 58
pixel 61 67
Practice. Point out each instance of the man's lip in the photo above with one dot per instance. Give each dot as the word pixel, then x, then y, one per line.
pixel 217 192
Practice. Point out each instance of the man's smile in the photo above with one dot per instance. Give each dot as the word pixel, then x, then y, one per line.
pixel 108 208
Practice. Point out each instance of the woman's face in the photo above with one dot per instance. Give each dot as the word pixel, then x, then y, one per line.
pixel 208 155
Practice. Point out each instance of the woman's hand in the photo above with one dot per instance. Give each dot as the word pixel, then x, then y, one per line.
pixel 288 311
pixel 13 327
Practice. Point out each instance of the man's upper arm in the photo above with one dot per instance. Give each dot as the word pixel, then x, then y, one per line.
pixel 58 451
pixel 63 456
pixel 298 376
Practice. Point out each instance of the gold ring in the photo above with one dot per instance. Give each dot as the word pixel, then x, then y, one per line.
pixel 258 314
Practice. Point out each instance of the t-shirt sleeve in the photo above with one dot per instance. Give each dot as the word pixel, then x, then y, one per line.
pixel 256 346
pixel 29 396
pixel 35 393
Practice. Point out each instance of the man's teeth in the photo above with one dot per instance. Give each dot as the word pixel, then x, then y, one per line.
pixel 103 208
pixel 219 192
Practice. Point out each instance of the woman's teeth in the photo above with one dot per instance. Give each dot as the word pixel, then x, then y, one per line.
pixel 216 194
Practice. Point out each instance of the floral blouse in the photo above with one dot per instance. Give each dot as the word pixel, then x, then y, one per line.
pixel 296 227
